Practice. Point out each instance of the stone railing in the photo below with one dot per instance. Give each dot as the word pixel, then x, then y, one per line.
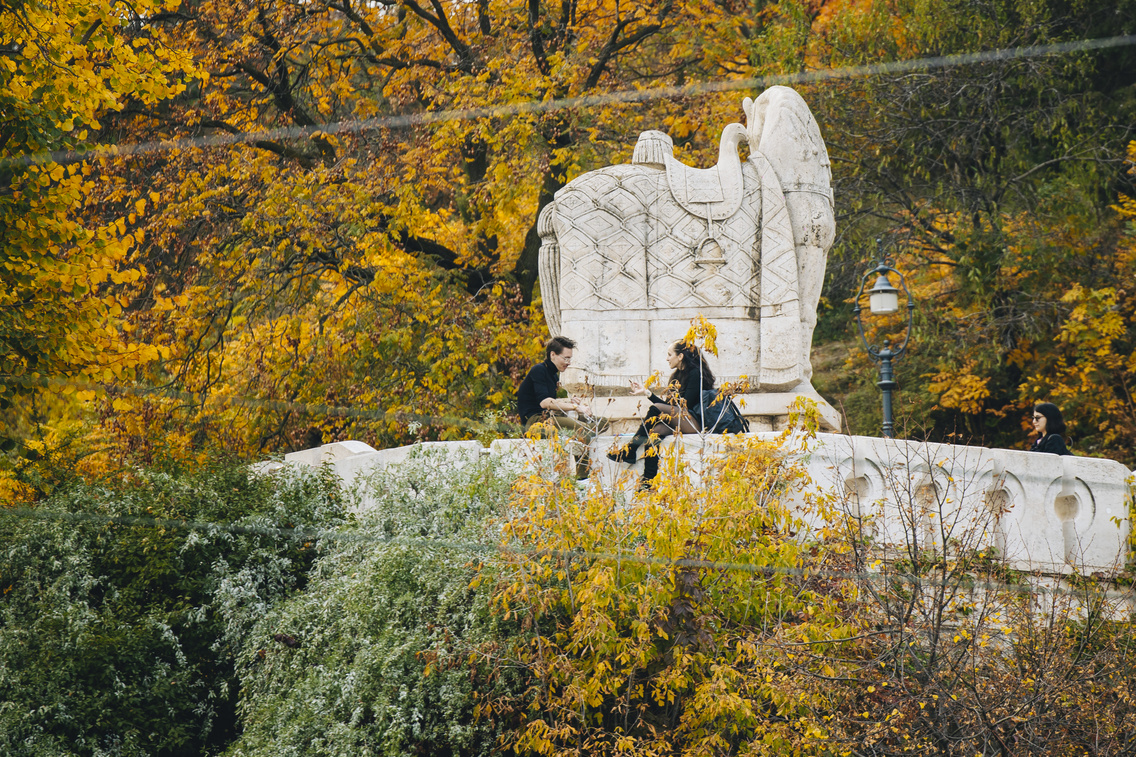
pixel 1038 511
pixel 1041 512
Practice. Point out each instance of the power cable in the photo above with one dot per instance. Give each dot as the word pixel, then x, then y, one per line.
pixel 532 107
pixel 257 403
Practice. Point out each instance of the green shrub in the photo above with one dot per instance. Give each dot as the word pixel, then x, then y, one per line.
pixel 388 651
pixel 122 609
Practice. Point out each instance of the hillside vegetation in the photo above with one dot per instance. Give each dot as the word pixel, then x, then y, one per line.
pixel 484 609
pixel 246 227
pixel 235 228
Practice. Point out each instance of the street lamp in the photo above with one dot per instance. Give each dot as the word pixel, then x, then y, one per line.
pixel 883 299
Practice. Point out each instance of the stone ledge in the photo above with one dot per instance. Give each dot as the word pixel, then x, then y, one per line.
pixel 766 411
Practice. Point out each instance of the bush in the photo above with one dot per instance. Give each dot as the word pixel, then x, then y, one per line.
pixel 123 608
pixel 654 619
pixel 388 651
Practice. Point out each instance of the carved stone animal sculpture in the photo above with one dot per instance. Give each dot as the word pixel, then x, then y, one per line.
pixel 631 253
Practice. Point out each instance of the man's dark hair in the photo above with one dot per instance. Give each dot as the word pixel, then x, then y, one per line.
pixel 558 344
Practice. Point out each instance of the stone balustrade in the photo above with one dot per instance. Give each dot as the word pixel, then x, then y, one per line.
pixel 1057 515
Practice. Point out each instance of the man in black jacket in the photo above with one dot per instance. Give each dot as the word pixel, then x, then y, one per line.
pixel 537 401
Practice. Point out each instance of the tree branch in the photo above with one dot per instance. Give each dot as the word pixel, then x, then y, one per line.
pixel 536 39
pixel 466 58
pixel 614 45
pixel 90 32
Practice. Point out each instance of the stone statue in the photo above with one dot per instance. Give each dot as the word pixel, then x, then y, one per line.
pixel 631 253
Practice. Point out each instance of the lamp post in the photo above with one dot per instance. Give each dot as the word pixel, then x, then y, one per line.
pixel 883 299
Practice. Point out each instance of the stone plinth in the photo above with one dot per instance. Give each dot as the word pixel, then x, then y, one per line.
pixel 765 411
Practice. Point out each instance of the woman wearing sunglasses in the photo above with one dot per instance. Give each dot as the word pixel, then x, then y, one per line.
pixel 1050 426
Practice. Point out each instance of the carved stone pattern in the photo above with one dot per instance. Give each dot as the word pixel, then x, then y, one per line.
pixel 780 299
pixel 548 266
pixel 601 253
pixel 779 274
pixel 674 280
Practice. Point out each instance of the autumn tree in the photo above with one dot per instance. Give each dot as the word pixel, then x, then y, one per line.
pixel 345 236
pixel 1090 367
pixel 339 230
pixel 994 180
pixel 652 622
pixel 65 276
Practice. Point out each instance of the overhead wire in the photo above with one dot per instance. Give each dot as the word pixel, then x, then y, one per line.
pixel 538 107
pixel 500 111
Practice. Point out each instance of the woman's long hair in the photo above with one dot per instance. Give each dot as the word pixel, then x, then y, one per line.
pixel 1054 423
pixel 691 357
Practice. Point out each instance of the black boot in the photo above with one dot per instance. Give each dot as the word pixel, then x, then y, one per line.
pixel 627 453
pixel 650 470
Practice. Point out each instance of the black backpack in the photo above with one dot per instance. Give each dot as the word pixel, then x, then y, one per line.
pixel 720 415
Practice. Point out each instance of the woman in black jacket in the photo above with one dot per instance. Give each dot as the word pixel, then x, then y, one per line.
pixel 689 378
pixel 1050 426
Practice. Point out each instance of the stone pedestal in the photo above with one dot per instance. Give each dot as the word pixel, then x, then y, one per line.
pixel 765 411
